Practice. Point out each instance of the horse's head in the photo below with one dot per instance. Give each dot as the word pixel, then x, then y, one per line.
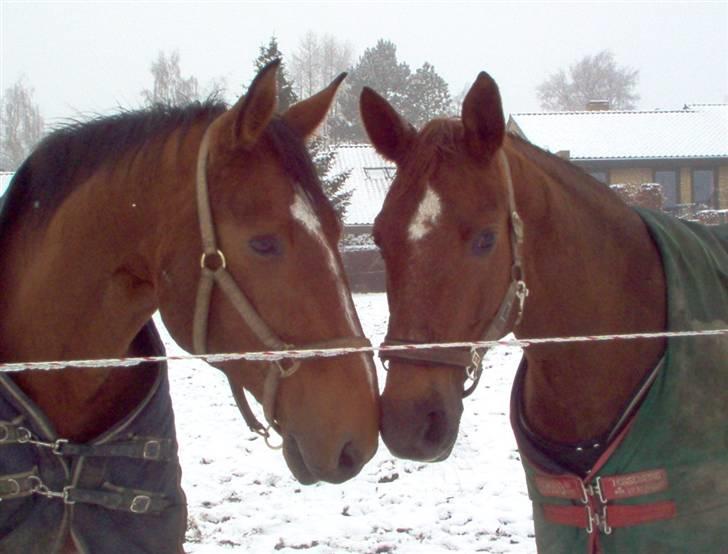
pixel 274 279
pixel 444 233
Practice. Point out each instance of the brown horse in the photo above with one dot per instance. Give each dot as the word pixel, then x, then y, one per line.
pixel 216 218
pixel 484 234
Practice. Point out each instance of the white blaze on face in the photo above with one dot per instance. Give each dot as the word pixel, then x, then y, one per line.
pixel 426 215
pixel 302 212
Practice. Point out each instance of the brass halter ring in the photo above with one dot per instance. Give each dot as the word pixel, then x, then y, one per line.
pixel 219 254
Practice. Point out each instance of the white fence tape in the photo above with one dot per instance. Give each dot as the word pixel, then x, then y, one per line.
pixel 331 352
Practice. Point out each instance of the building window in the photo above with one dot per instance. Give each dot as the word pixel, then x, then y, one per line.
pixel 601 176
pixel 670 182
pixel 386 172
pixel 704 187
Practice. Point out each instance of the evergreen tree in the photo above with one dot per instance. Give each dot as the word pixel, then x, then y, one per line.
pixel 268 53
pixel 427 96
pixel 379 69
pixel 323 156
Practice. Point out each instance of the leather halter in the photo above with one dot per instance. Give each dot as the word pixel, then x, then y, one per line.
pixel 214 271
pixel 472 360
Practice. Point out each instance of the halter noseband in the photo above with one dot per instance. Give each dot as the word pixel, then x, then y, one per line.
pixel 472 360
pixel 213 270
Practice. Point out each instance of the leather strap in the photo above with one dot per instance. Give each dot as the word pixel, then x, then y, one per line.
pixel 214 271
pixel 504 321
pixel 126 500
pixel 611 516
pixel 18 485
pixel 155 450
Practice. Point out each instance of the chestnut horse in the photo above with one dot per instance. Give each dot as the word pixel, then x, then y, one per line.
pixel 484 234
pixel 216 218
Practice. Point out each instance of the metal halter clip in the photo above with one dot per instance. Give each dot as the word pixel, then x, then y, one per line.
pixel 265 433
pixel 521 295
pixel 474 370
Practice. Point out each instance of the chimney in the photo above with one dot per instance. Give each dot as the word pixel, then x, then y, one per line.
pixel 597 106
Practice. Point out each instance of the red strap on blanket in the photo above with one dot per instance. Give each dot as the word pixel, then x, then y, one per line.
pixel 613 487
pixel 595 511
pixel 610 517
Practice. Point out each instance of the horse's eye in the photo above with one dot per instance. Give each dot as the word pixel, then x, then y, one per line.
pixel 483 242
pixel 266 245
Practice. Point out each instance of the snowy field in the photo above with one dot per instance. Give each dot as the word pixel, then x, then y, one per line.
pixel 242 497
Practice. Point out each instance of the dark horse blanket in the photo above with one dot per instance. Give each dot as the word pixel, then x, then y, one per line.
pixel 662 486
pixel 118 493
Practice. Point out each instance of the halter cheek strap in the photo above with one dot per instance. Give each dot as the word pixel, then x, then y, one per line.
pixel 213 266
pixel 513 303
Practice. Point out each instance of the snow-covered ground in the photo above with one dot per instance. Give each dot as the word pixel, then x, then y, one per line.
pixel 242 497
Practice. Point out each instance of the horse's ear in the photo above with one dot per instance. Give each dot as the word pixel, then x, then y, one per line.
pixel 482 117
pixel 389 132
pixel 305 116
pixel 252 113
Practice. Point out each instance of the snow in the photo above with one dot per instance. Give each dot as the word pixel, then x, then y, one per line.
pixel 242 497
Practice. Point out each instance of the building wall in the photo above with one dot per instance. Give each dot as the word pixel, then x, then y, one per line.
pixel 723 187
pixel 631 175
pixel 686 185
pixel 637 175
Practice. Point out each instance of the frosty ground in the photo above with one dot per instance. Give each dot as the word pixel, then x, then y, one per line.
pixel 242 497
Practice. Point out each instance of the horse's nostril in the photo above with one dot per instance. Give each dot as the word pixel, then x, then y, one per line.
pixel 435 427
pixel 348 458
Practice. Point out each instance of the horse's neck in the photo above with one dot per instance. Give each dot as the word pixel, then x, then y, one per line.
pixel 84 293
pixel 592 269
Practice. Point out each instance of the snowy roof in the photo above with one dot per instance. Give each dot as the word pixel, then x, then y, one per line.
pixel 697 131
pixel 370 178
pixel 5 178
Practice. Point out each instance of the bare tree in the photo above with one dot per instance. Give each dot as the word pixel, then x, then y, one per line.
pixel 169 86
pixel 317 61
pixel 305 65
pixel 591 78
pixel 21 125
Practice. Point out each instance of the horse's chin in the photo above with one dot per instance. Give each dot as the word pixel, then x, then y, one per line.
pixel 444 455
pixel 294 459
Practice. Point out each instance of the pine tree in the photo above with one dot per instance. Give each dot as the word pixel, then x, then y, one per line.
pixel 323 157
pixel 268 53
pixel 427 96
pixel 379 69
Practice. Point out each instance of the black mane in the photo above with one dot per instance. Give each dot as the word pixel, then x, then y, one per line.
pixel 71 153
pixel 296 160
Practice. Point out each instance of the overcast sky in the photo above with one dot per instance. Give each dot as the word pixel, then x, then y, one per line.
pixel 91 57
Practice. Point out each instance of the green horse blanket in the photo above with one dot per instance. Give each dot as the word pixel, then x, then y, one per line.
pixel 662 485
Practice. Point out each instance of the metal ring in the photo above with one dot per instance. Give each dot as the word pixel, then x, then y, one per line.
pixel 219 254
pixel 266 437
pixel 294 366
pixel 15 485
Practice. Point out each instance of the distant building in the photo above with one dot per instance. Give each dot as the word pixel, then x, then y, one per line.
pixel 686 151
pixel 370 178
